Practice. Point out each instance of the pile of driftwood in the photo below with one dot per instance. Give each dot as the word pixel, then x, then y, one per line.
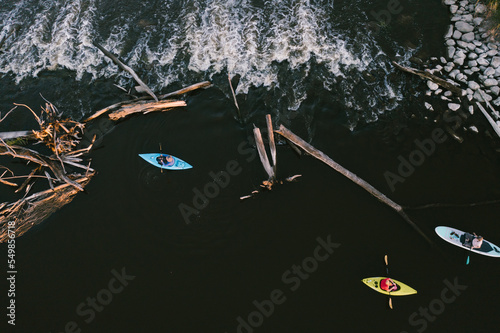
pixel 61 136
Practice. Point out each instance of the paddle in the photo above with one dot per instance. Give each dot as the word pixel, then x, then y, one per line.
pixel 470 249
pixel 387 270
pixel 159 143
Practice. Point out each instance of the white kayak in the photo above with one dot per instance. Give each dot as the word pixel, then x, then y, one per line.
pixel 464 239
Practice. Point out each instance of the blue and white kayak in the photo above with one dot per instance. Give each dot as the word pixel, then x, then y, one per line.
pixel 459 238
pixel 166 161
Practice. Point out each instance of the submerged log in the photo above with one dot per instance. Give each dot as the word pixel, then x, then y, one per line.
pixel 126 68
pixel 234 95
pixel 145 107
pixel 426 75
pixel 353 177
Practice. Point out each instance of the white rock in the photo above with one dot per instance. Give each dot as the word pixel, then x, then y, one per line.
pixel 450 52
pixel 437 92
pixel 449 33
pixel 428 106
pixel 472 63
pixel 489 71
pixel 444 98
pixel 495 90
pixel 448 68
pixel 432 86
pixel 453 9
pixel 463 26
pixel 460 53
pixel 477 20
pixel 492 53
pixel 471 109
pixel 453 73
pixel 490 82
pixel 473 85
pixel 473 128
pixel 475 69
pixel 482 61
pixel 492 46
pixel 443 60
pixel 462 44
pixel 477 43
pixel 497 102
pixel 449 2
pixel 471 46
pixel 472 55
pixel 461 77
pixel 468 37
pixel 495 62
pixel 453 106
pixel 457 34
pixel 450 42
pixel 448 93
pixel 480 9
pixel 468 71
pixel 459 61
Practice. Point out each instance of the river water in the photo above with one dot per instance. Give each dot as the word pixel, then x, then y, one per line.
pixel 128 256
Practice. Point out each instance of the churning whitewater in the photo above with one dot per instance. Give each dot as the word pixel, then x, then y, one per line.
pixel 168 42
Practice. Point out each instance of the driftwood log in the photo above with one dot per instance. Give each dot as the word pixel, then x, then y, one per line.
pixel 287 134
pixel 426 75
pixel 145 107
pixel 200 85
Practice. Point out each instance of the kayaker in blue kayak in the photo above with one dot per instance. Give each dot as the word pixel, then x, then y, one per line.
pixel 388 285
pixel 165 160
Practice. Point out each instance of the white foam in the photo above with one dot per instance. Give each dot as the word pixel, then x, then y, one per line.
pixel 207 38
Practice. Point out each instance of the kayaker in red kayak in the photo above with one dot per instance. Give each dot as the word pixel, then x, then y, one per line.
pixel 388 285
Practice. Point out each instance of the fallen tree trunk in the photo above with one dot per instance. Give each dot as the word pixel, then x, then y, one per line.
pixel 426 75
pixel 34 209
pixel 490 120
pixel 283 131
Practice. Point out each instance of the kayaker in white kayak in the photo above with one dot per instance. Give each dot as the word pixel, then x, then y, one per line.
pixel 477 242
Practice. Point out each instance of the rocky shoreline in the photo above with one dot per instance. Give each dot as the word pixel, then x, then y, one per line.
pixel 472 60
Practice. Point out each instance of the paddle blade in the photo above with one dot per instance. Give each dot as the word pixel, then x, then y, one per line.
pixel 386 260
pixel 390 303
pixel 467 262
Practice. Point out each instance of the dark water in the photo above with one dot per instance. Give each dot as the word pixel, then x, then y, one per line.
pixel 320 68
